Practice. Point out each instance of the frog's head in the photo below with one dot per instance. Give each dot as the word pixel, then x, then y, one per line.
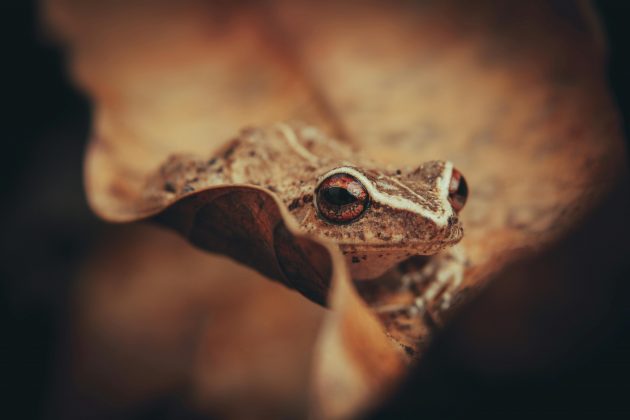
pixel 376 217
pixel 381 218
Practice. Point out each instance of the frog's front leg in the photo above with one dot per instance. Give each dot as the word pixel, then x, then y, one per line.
pixel 436 282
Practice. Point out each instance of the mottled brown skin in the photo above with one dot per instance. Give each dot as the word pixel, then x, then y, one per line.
pixel 291 161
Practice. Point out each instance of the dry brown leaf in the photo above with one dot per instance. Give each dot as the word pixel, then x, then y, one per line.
pixel 154 316
pixel 514 94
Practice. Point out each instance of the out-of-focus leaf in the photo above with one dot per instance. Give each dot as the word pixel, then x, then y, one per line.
pixel 154 317
pixel 513 93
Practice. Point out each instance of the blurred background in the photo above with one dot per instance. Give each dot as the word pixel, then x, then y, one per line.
pixel 93 330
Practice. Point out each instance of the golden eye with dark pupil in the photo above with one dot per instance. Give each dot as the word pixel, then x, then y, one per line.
pixel 457 190
pixel 341 198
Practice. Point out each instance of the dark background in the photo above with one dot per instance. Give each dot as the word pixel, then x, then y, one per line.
pixel 46 229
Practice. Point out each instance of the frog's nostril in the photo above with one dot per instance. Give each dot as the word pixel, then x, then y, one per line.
pixel 457 190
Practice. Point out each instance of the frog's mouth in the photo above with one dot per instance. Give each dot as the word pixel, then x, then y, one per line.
pixel 408 248
pixel 369 262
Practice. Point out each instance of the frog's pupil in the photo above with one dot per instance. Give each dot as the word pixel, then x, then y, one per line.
pixel 338 196
pixel 462 188
pixel 458 190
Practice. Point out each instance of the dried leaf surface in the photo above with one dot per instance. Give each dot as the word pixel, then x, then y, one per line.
pixel 514 94
pixel 154 316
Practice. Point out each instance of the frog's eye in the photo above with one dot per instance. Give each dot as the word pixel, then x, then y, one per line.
pixel 457 190
pixel 341 198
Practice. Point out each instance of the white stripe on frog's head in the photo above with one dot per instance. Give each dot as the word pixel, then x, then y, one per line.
pixel 390 191
pixel 292 140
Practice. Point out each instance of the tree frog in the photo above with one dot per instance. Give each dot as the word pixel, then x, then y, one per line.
pixel 381 219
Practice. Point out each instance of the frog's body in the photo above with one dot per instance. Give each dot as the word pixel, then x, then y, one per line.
pixel 389 214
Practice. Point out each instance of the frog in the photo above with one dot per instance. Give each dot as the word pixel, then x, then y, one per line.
pixel 383 219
